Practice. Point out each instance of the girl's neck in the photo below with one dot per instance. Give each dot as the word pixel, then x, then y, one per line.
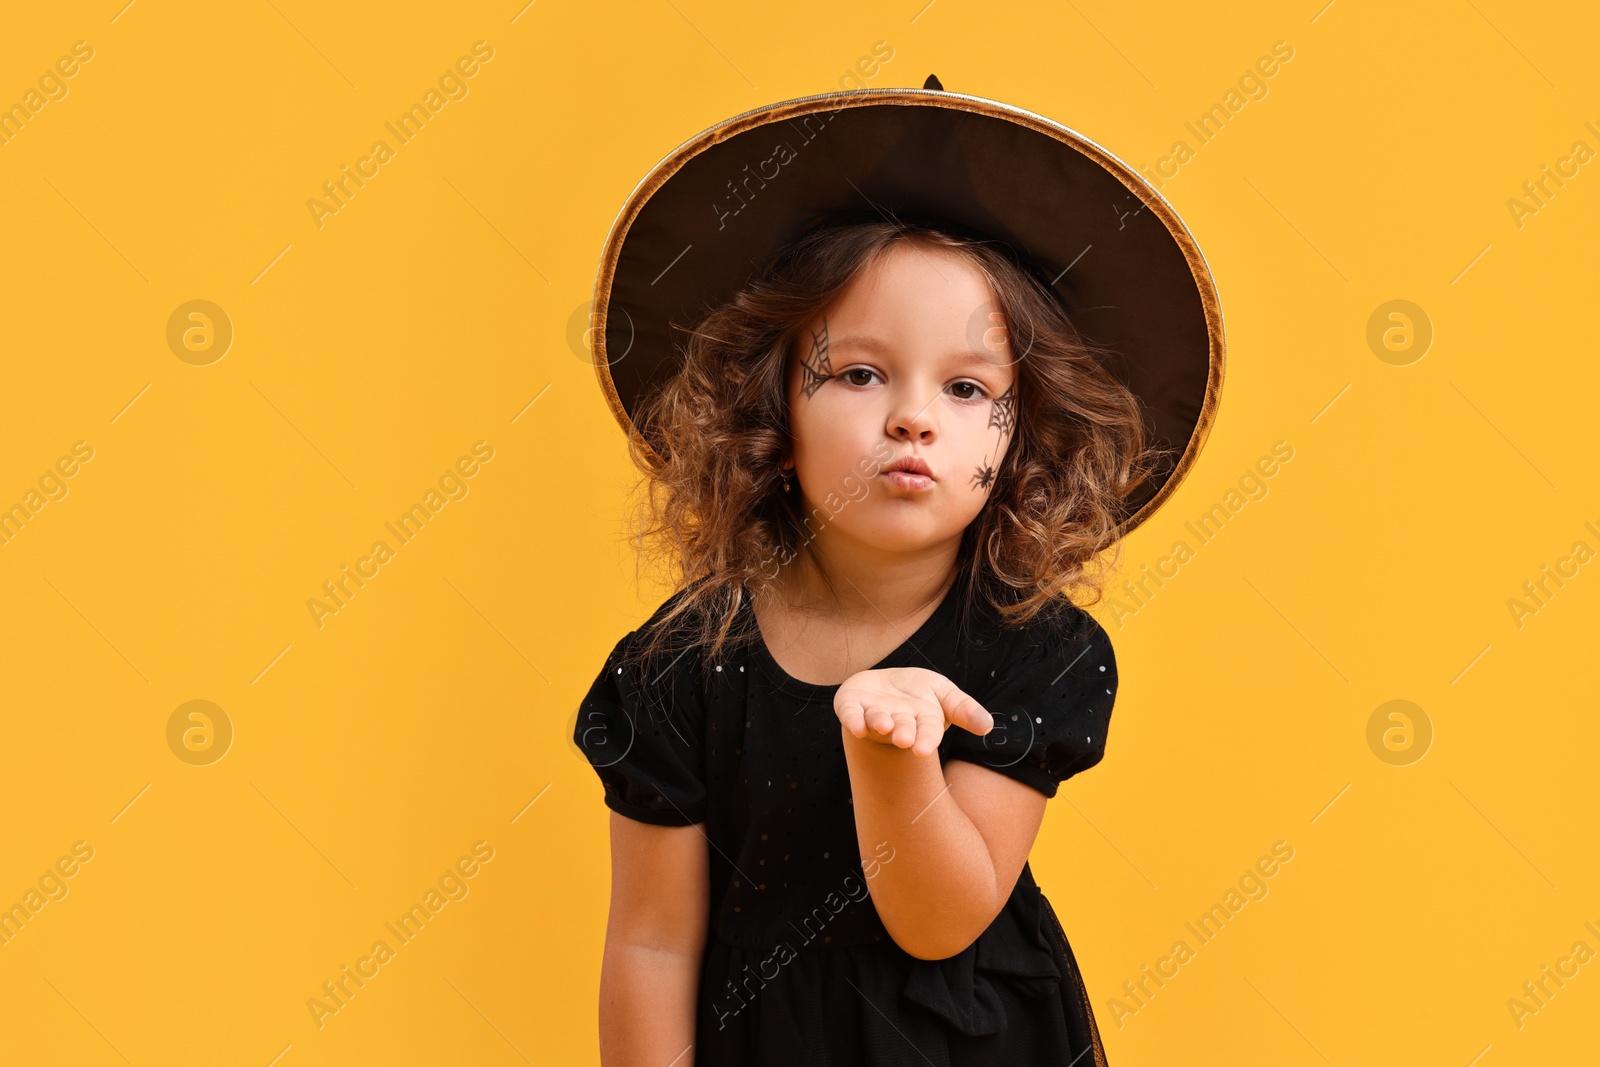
pixel 872 590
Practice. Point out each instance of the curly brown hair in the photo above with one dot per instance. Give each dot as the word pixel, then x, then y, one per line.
pixel 718 432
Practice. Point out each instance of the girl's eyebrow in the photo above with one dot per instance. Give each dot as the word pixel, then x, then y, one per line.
pixel 876 344
pixel 872 344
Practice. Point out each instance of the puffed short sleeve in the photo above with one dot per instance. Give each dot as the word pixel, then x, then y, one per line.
pixel 1051 698
pixel 642 728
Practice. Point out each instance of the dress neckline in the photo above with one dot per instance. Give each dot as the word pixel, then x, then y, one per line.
pixel 912 644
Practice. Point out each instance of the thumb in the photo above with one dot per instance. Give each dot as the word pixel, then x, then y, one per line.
pixel 963 710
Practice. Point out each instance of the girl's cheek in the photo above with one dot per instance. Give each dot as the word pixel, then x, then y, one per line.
pixel 974 421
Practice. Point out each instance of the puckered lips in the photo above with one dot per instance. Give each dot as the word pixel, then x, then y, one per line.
pixel 909 472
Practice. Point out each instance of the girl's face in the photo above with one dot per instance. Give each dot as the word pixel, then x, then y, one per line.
pixel 909 362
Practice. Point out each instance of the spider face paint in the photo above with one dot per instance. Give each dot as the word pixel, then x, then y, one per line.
pixel 1003 417
pixel 889 374
pixel 815 368
pixel 1004 412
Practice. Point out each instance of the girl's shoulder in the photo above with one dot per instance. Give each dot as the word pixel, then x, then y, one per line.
pixel 1059 622
pixel 674 638
pixel 642 726
pixel 1050 683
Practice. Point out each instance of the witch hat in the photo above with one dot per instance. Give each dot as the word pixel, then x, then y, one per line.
pixel 1103 240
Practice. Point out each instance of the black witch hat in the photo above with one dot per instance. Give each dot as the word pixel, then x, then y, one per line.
pixel 1106 243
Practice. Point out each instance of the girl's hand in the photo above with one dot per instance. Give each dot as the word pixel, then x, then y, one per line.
pixel 908 707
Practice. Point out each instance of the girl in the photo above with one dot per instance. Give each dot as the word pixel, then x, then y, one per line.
pixel 877 473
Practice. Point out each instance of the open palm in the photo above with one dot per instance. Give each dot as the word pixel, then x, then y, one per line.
pixel 908 707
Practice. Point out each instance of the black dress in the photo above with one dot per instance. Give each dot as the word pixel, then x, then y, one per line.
pixel 798 968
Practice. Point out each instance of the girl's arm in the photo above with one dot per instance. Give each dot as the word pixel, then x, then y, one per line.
pixel 655 940
pixel 960 835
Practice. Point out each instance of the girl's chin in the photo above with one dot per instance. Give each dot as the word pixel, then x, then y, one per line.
pixel 905 534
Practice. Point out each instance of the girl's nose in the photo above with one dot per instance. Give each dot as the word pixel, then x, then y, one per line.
pixel 913 416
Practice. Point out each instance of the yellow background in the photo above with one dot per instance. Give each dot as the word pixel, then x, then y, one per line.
pixel 435 709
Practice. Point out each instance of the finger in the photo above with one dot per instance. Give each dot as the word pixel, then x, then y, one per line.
pixel 964 711
pixel 905 727
pixel 930 731
pixel 879 719
pixel 892 721
pixel 853 716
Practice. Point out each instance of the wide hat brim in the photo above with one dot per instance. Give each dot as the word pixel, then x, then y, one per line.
pixel 1116 254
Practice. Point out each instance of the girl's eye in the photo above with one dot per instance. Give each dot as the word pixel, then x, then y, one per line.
pixel 868 376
